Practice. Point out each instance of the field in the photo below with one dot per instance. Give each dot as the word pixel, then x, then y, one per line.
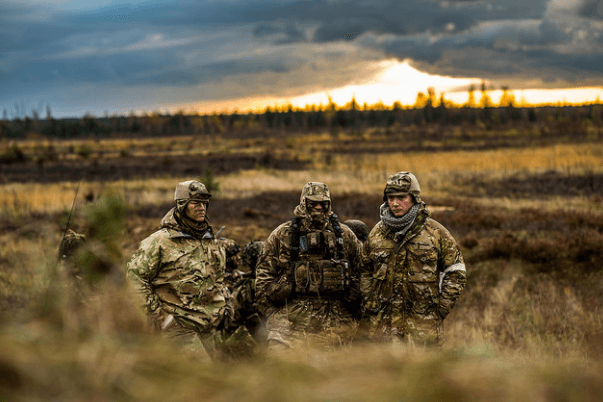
pixel 526 209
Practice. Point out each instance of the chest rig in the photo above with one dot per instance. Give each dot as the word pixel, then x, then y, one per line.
pixel 318 267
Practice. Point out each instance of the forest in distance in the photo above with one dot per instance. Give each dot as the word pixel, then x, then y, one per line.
pixel 427 110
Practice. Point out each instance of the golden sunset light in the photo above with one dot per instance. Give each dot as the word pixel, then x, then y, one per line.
pixel 399 82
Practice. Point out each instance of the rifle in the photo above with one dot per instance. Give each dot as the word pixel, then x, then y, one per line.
pixel 69 217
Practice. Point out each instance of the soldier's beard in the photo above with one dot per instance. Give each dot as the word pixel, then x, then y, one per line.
pixel 318 221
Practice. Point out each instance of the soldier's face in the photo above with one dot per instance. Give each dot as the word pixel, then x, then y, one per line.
pixel 317 209
pixel 400 204
pixel 195 210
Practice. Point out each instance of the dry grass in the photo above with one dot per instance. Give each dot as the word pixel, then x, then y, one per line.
pixel 356 173
pixel 527 327
pixel 152 372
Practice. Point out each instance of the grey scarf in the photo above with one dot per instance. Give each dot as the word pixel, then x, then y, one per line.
pixel 399 225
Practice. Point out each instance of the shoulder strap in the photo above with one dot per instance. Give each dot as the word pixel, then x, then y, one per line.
pixel 295 223
pixel 338 235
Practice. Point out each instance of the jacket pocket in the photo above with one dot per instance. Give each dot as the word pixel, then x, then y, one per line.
pixel 422 263
pixel 423 297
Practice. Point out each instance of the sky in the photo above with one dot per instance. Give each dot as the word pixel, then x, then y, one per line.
pixel 78 57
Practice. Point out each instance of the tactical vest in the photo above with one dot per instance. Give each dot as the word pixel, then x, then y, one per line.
pixel 318 267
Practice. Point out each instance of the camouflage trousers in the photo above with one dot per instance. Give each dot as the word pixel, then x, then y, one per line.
pixel 305 325
pixel 216 345
pixel 393 322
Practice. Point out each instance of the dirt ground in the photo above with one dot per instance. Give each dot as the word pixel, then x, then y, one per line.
pixel 139 167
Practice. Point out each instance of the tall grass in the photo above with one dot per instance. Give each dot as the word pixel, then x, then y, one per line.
pixel 527 327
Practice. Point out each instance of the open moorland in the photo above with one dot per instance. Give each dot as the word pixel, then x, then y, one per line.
pixel 525 204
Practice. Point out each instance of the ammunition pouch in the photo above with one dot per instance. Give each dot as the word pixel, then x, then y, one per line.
pixel 322 278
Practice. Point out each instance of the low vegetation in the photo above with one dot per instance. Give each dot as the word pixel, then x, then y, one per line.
pixel 529 221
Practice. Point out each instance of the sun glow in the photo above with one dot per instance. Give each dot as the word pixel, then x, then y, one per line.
pixel 398 81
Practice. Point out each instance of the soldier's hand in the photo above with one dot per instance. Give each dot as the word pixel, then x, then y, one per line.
pixel 153 303
pixel 353 295
pixel 280 291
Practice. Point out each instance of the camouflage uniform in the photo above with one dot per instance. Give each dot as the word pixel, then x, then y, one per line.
pixel 415 278
pixel 233 260
pixel 359 228
pixel 180 273
pixel 294 275
pixel 70 245
pixel 244 294
pixel 251 254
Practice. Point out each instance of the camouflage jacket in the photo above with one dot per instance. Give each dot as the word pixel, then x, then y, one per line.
pixel 244 303
pixel 412 285
pixel 274 269
pixel 181 277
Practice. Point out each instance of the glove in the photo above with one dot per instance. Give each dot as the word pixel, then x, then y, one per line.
pixel 353 296
pixel 152 303
pixel 280 291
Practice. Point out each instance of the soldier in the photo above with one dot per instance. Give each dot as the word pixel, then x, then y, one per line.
pixel 417 271
pixel 360 229
pixel 86 261
pixel 244 294
pixel 70 245
pixel 233 260
pixel 251 254
pixel 179 270
pixel 308 276
pixel 71 248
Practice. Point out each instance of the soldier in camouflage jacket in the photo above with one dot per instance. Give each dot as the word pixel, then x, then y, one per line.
pixel 244 295
pixel 307 279
pixel 416 271
pixel 180 271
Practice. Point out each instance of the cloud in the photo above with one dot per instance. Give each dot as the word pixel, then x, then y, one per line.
pixel 560 43
pixel 215 49
pixel 519 36
pixel 331 21
pixel 590 9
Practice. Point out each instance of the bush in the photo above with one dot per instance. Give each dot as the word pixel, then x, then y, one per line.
pixel 13 154
pixel 210 182
pixel 84 151
pixel 578 249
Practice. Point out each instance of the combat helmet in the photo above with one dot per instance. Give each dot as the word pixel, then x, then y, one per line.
pixel 360 229
pixel 70 244
pixel 402 183
pixel 191 189
pixel 315 191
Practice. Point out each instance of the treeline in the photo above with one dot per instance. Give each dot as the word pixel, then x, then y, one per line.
pixel 330 117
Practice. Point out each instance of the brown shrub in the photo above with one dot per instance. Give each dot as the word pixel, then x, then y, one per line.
pixel 570 250
pixel 469 241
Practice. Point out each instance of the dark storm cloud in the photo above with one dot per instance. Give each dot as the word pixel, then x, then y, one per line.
pixel 502 36
pixel 334 19
pixel 114 34
pixel 190 45
pixel 591 9
pixel 529 32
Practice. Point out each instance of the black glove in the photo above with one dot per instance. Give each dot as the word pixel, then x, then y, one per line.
pixel 353 295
